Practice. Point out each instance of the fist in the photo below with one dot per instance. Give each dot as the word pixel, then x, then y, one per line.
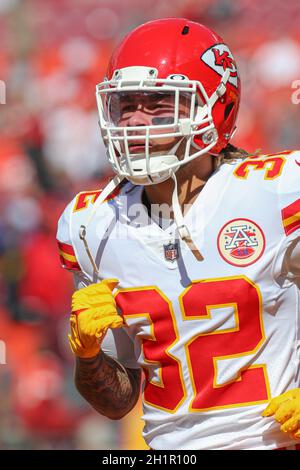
pixel 93 312
pixel 286 410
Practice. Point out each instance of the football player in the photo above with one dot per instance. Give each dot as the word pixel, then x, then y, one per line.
pixel 187 264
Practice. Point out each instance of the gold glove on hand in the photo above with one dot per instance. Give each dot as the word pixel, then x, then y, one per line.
pixel 286 410
pixel 93 312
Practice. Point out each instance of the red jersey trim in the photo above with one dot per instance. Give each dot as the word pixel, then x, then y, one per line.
pixel 291 217
pixel 67 257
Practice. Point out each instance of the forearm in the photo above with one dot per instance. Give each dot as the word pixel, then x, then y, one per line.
pixel 107 386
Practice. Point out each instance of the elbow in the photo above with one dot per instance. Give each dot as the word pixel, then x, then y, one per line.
pixel 117 417
pixel 114 416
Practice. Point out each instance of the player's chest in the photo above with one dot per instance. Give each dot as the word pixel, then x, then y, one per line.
pixel 236 232
pixel 236 238
pixel 162 286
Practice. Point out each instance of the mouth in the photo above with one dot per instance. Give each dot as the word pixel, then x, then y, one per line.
pixel 138 148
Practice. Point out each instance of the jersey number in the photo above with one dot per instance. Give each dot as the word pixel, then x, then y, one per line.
pixel 272 166
pixel 167 390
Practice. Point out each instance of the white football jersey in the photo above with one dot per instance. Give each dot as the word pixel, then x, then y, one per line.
pixel 218 338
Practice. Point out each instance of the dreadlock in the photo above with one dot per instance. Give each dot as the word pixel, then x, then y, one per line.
pixel 231 153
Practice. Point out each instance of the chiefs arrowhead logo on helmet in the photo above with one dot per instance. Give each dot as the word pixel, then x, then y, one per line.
pixel 219 58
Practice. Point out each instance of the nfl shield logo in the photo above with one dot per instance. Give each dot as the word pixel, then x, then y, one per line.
pixel 171 251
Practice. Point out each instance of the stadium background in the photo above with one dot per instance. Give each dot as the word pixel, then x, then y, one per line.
pixel 52 54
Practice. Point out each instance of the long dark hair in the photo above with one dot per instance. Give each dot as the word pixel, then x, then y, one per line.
pixel 231 152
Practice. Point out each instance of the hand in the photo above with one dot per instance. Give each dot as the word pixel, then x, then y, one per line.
pixel 93 312
pixel 286 410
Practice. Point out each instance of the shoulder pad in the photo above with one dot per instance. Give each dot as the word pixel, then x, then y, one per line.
pixel 289 193
pixel 65 248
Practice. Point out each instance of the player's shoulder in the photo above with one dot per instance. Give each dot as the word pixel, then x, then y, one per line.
pixel 75 214
pixel 81 206
pixel 265 167
pixel 66 250
pixel 285 158
pixel 84 201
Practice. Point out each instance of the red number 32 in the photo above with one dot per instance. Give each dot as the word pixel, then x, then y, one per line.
pixel 148 306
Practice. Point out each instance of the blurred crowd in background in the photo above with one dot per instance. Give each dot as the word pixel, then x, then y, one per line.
pixel 53 53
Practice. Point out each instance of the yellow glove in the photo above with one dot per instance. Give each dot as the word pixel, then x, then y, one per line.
pixel 286 410
pixel 93 312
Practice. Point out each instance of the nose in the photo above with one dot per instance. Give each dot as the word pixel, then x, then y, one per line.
pixel 138 118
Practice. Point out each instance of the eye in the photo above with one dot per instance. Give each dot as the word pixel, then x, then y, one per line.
pixel 154 106
pixel 162 107
pixel 128 108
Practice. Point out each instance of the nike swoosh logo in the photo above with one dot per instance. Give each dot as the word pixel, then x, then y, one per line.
pixel 298 163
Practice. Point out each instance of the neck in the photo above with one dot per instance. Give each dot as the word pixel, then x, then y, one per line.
pixel 191 178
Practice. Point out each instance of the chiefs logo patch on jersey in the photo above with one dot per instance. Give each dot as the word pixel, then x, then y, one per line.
pixel 219 58
pixel 241 242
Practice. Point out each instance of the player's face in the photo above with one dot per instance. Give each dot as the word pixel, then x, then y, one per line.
pixel 138 109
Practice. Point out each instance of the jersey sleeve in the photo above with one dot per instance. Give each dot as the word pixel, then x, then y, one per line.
pixel 117 344
pixel 287 260
pixel 65 248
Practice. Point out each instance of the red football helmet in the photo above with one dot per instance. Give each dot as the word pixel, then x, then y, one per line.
pixel 183 59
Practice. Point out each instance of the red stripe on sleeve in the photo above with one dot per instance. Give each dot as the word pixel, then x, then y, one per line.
pixel 290 210
pixel 292 227
pixel 66 248
pixel 69 264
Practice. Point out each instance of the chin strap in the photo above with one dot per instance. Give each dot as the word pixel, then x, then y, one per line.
pixel 178 217
pixel 83 228
pixel 179 220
